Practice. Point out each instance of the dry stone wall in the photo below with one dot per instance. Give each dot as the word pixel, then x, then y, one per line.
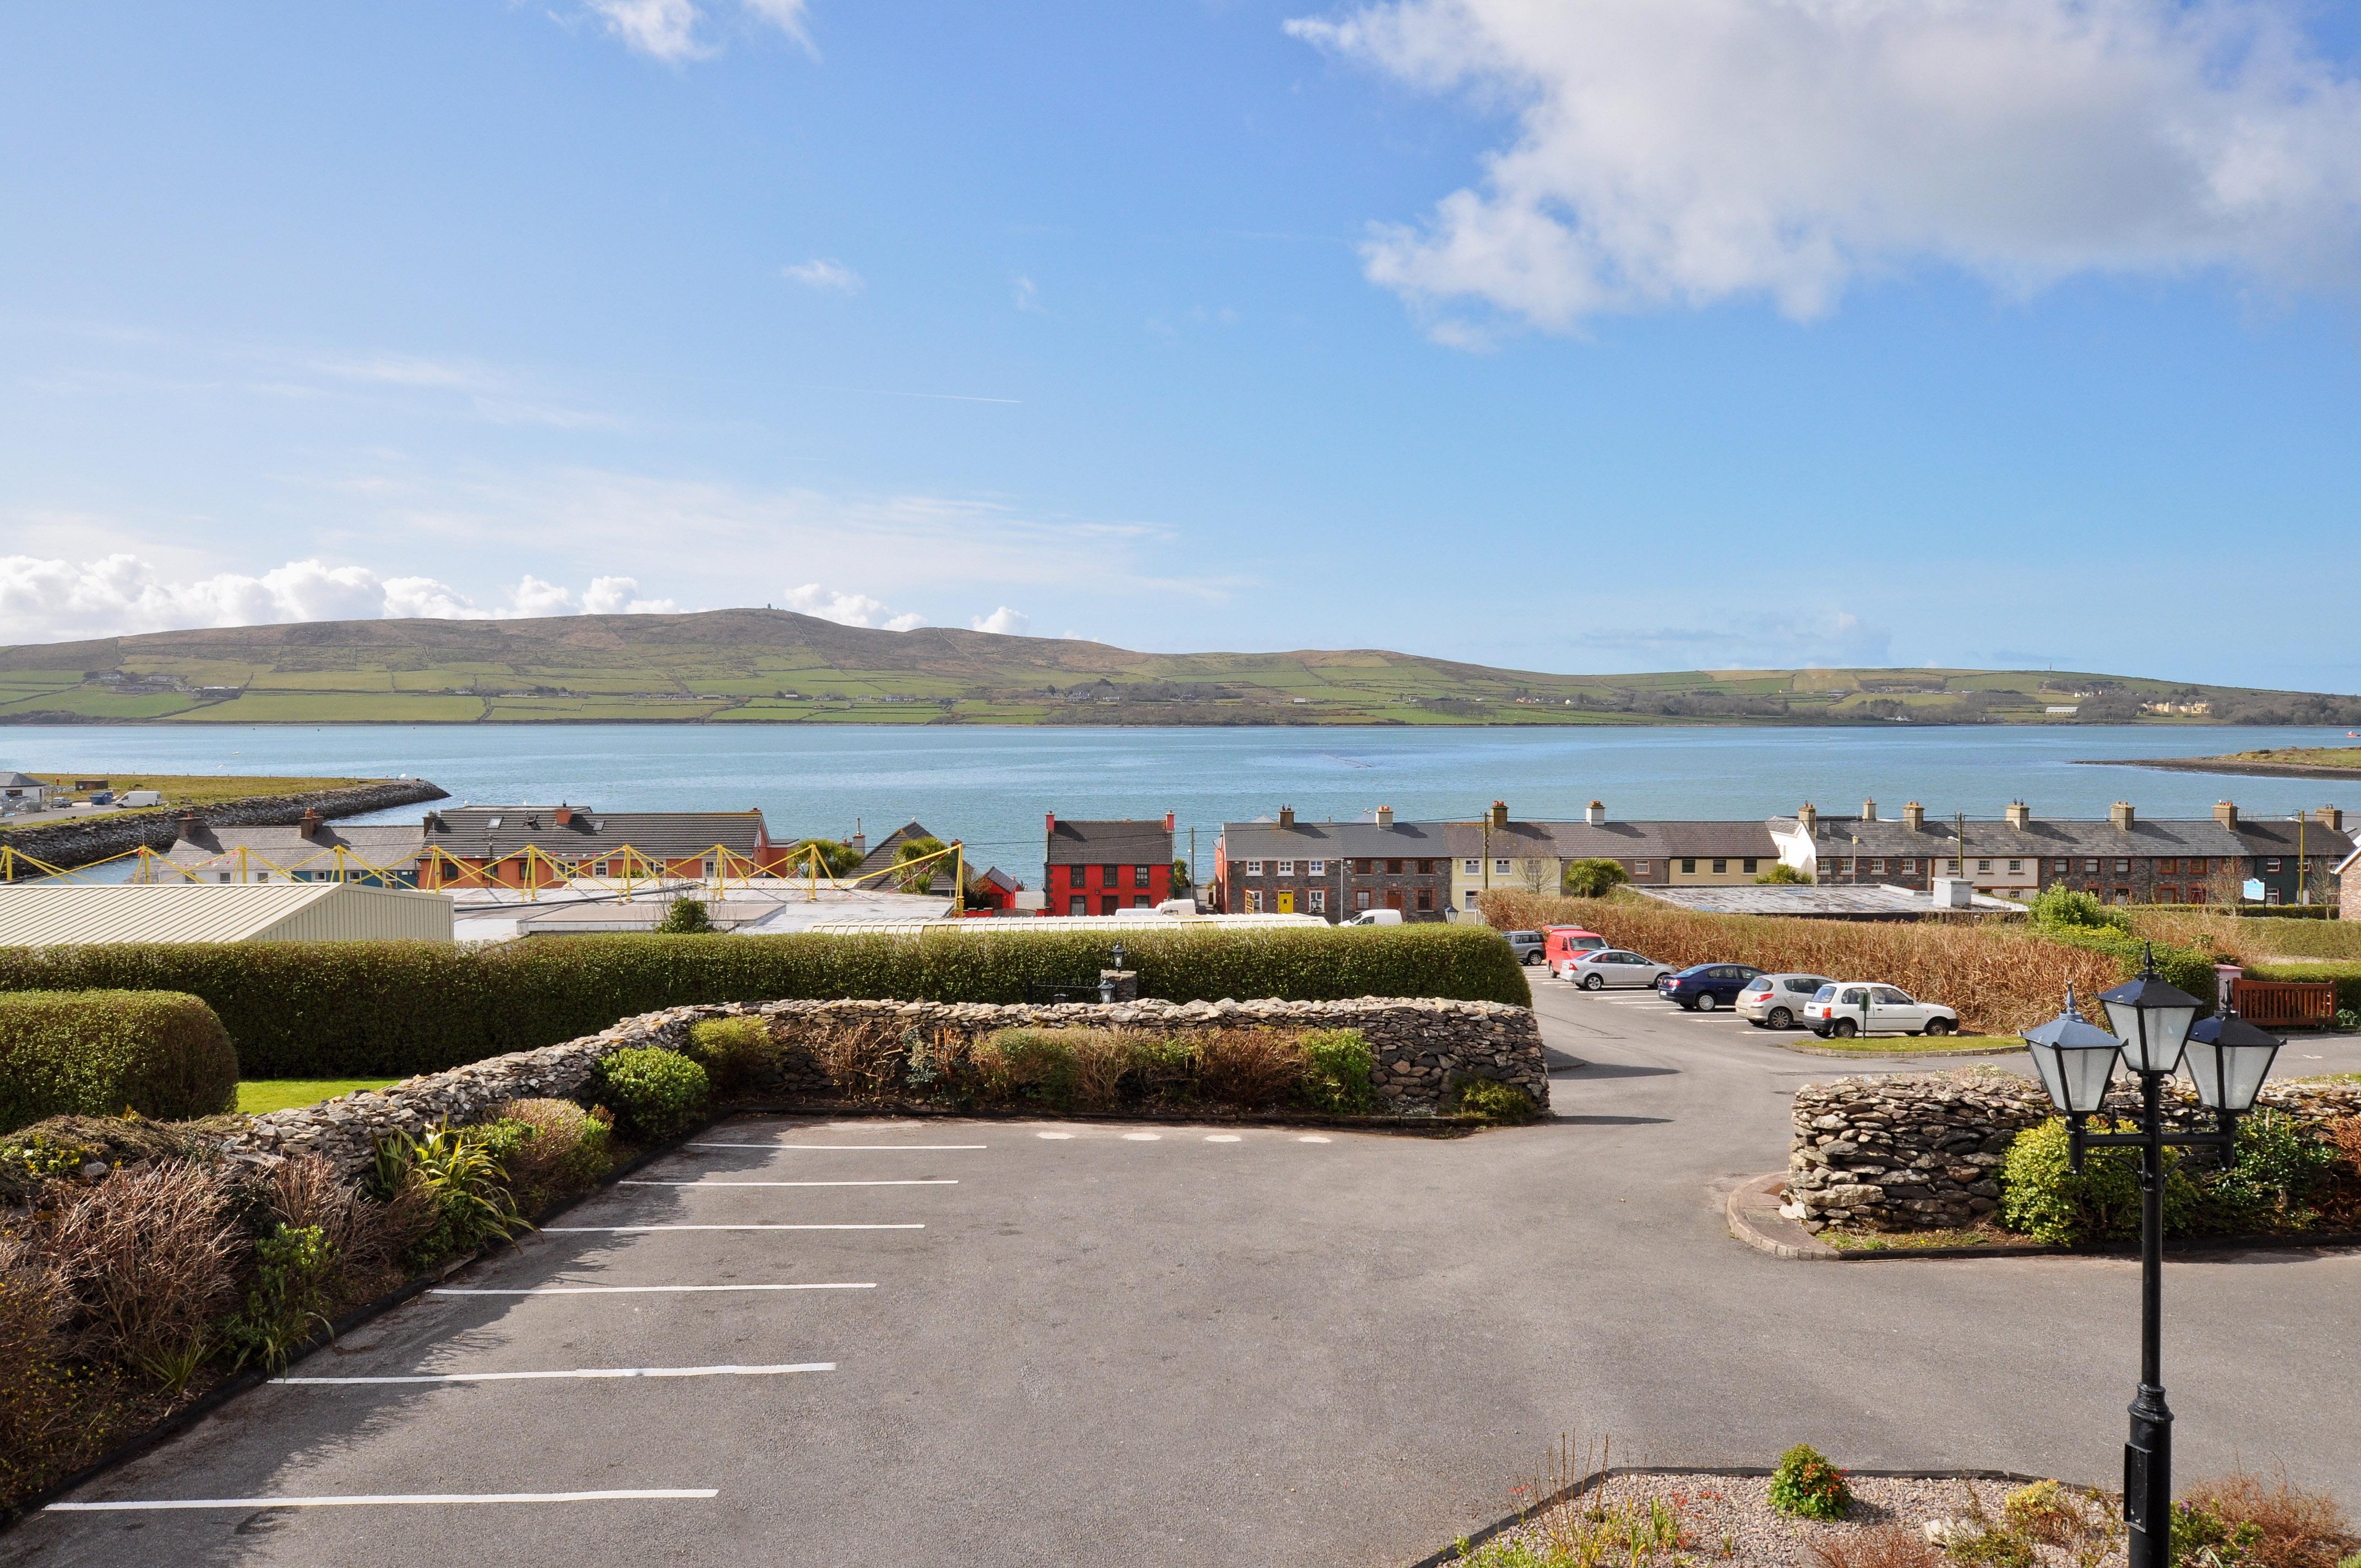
pixel 1923 1152
pixel 1423 1049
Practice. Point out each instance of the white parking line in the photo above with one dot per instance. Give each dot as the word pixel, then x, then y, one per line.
pixel 1142 1137
pixel 610 1230
pixel 630 1289
pixel 390 1499
pixel 578 1372
pixel 1222 1138
pixel 913 1181
pixel 1053 1134
pixel 856 1148
pixel 1313 1138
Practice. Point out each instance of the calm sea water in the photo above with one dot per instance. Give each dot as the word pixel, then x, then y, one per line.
pixel 992 786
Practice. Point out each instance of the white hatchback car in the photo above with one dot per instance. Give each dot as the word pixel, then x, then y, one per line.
pixel 1602 967
pixel 1845 1008
pixel 1777 1001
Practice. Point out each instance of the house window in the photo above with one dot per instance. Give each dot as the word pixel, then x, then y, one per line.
pixel 1689 868
pixel 2164 865
pixel 1316 867
pixel 2167 895
pixel 1983 866
pixel 1254 901
pixel 2122 867
pixel 2272 866
pixel 1906 865
pixel 1877 865
pixel 1393 867
pixel 1426 868
pixel 1361 868
pixel 1361 898
pixel 1083 905
pixel 1425 898
pixel 2271 895
pixel 1953 867
pixel 2065 866
pixel 1471 865
pixel 1287 868
pixel 1639 868
pixel 1319 900
pixel 1749 865
pixel 1254 868
pixel 1720 867
pixel 1139 902
pixel 1471 898
pixel 1499 868
pixel 2089 865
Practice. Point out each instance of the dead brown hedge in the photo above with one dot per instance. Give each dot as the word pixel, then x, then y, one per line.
pixel 2001 978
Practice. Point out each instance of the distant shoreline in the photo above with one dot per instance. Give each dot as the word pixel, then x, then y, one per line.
pixel 2223 765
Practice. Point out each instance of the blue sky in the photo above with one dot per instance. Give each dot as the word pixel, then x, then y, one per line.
pixel 1602 337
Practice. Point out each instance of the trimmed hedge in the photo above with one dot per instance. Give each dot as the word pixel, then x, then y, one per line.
pixel 2346 977
pixel 357 1009
pixel 98 1053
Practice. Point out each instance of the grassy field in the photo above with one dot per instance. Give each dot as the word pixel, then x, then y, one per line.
pixel 2300 756
pixel 1907 1044
pixel 771 666
pixel 258 1096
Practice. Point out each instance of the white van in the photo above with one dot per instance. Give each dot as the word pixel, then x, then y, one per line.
pixel 1377 917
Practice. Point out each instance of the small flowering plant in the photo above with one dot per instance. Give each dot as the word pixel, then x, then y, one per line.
pixel 1807 1487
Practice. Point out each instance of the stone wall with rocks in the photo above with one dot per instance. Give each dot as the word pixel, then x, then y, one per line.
pixel 1923 1152
pixel 71 844
pixel 1423 1049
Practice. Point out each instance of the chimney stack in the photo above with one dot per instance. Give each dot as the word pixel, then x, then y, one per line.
pixel 1914 817
pixel 1808 817
pixel 1385 816
pixel 1168 822
pixel 1287 816
pixel 309 828
pixel 2019 814
pixel 564 813
pixel 1499 815
pixel 1596 814
pixel 2226 814
pixel 2328 817
pixel 1051 819
pixel 2120 814
pixel 1869 811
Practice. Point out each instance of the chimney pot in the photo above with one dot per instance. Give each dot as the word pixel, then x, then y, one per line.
pixel 1385 816
pixel 2226 814
pixel 2121 815
pixel 1869 811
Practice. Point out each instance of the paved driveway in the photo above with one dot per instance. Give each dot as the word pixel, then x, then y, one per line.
pixel 1184 1345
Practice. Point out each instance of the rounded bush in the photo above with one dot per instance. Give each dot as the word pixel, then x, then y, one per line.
pixel 653 1092
pixel 1807 1485
pixel 99 1053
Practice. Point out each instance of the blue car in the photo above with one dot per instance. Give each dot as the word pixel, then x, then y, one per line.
pixel 1701 988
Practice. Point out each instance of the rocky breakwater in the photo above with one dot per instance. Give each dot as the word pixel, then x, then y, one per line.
pixel 1924 1151
pixel 71 844
pixel 1424 1046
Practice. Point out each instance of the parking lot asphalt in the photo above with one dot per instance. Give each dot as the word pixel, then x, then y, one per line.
pixel 1169 1344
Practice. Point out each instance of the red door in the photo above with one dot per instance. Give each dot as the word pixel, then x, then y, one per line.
pixel 1393 898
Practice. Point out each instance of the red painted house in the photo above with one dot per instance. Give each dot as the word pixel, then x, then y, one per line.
pixel 1097 868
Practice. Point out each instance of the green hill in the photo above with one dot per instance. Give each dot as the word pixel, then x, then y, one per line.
pixel 758 666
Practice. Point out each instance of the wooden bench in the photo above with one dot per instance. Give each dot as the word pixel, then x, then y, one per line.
pixel 2284 1003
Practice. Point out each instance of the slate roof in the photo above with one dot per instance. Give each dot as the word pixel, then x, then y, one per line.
pixel 1870 902
pixel 2041 836
pixel 1615 840
pixel 21 781
pixel 2269 836
pixel 880 858
pixel 391 845
pixel 468 831
pixel 1126 841
pixel 1335 840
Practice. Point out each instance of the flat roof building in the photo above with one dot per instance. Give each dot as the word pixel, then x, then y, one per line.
pixel 62 914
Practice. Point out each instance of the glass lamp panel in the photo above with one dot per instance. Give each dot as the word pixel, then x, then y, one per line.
pixel 2076 1077
pixel 2152 1036
pixel 2228 1077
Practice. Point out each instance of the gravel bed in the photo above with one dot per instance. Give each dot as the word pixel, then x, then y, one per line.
pixel 1727 1519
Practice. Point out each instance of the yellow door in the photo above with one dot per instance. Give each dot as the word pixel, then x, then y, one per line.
pixel 1287 904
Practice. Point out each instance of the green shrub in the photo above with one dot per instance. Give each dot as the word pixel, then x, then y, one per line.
pixel 99 1053
pixel 1493 1101
pixel 1782 874
pixel 2280 1162
pixel 2203 1538
pixel 566 1154
pixel 1036 1065
pixel 2191 968
pixel 295 1270
pixel 2058 905
pixel 684 918
pixel 730 1050
pixel 1339 1072
pixel 1807 1487
pixel 1593 878
pixel 386 1009
pixel 460 1177
pixel 653 1092
pixel 2042 1197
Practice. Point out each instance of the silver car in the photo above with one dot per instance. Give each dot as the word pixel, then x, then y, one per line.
pixel 1602 967
pixel 1776 1000
pixel 1526 945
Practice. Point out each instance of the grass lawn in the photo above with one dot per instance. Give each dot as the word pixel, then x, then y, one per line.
pixel 1904 1045
pixel 256 1096
pixel 1919 1241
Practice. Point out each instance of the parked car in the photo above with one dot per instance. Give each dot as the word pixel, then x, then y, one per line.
pixel 1849 1007
pixel 1776 1000
pixel 1566 943
pixel 1377 917
pixel 1599 967
pixel 1527 945
pixel 1701 988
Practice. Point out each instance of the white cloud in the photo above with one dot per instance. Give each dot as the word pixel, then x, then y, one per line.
pixel 849 609
pixel 44 600
pixel 1006 621
pixel 1681 152
pixel 667 29
pixel 1028 298
pixel 621 596
pixel 824 272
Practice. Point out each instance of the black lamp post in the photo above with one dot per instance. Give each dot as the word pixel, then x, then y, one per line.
pixel 2156 1033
